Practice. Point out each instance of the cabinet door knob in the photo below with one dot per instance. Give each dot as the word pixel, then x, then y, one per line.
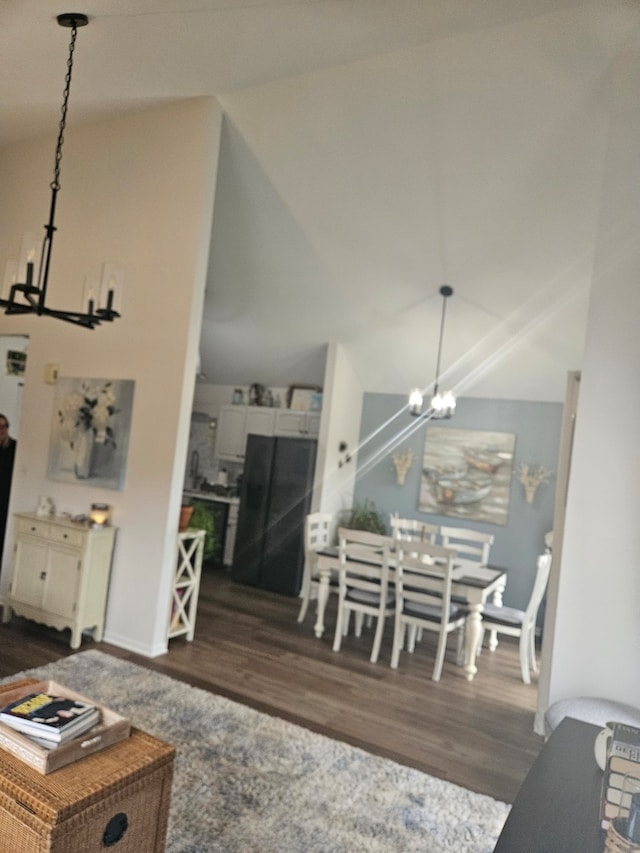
pixel 43 576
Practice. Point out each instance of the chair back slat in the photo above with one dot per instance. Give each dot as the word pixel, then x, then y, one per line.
pixel 423 574
pixel 317 527
pixel 364 559
pixel 470 544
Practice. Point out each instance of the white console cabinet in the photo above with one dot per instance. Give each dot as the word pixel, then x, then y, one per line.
pixel 61 574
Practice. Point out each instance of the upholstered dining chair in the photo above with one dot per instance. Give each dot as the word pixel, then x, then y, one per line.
pixel 472 545
pixel 423 599
pixel 519 623
pixel 317 530
pixel 363 584
pixel 408 530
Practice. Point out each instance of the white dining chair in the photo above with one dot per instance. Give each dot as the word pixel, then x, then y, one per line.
pixel 317 530
pixel 470 544
pixel 363 584
pixel 473 546
pixel 423 577
pixel 409 529
pixel 521 623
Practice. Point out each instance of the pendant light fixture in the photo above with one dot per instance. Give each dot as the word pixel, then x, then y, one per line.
pixel 29 296
pixel 442 405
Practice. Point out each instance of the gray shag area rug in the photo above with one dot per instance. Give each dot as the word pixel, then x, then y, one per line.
pixel 247 782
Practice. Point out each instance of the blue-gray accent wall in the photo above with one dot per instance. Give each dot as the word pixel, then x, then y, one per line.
pixel 387 427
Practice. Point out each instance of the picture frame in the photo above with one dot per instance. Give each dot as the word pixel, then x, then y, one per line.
pixel 91 422
pixel 467 474
pixel 301 397
pixel 16 362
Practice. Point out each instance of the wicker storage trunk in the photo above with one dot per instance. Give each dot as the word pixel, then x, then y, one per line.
pixel 116 799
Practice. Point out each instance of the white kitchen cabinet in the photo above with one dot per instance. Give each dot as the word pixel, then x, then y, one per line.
pixel 235 423
pixel 260 421
pixel 61 574
pixel 230 433
pixel 290 422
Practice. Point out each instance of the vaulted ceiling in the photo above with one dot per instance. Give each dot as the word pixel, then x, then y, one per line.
pixel 372 150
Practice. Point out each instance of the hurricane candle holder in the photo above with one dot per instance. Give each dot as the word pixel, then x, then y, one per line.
pixel 100 515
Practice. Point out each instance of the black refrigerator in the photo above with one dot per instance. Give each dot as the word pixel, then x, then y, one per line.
pixel 275 497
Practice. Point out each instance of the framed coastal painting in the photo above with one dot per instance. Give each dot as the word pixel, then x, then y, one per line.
pixel 90 431
pixel 467 474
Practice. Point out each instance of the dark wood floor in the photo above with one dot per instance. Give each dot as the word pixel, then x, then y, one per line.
pixel 249 647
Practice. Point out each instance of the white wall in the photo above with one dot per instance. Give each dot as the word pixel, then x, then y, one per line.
pixel 597 627
pixel 341 414
pixel 137 191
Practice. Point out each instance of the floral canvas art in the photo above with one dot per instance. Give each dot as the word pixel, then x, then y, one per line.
pixel 90 431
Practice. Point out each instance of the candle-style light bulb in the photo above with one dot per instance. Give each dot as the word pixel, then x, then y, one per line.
pixel 415 401
pixel 110 292
pixel 10 278
pixel 31 256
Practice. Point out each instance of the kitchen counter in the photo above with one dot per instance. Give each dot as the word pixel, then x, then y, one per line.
pixel 210 496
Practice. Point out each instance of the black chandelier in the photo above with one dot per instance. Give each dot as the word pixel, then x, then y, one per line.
pixel 442 405
pixel 29 297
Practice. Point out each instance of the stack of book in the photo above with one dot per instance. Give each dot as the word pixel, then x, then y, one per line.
pixel 48 725
pixel 622 767
pixel 49 719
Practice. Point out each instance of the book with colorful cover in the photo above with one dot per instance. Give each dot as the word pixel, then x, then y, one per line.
pixel 45 715
pixel 623 760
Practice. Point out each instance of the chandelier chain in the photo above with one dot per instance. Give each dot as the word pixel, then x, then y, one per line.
pixel 55 184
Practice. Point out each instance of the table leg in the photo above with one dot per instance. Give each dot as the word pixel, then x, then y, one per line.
pixel 323 596
pixel 473 631
pixel 493 635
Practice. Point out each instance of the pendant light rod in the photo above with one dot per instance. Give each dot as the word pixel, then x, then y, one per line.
pixel 33 296
pixel 441 405
pixel 445 292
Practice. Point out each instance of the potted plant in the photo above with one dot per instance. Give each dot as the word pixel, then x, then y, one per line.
pixel 364 516
pixel 202 519
pixel 186 511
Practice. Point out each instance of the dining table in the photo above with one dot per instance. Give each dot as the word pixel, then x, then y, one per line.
pixel 474 584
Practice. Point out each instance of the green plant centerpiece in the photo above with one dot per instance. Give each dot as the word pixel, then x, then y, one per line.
pixel 364 515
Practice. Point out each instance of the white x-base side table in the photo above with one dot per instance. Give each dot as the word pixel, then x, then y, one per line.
pixel 186 583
